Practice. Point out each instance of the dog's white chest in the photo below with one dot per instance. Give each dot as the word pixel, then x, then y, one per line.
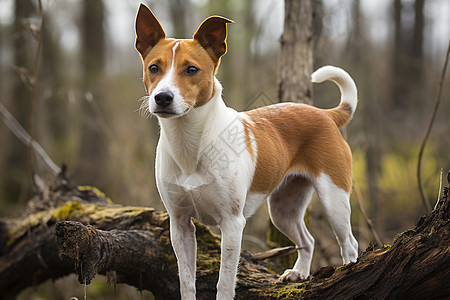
pixel 216 188
pixel 197 194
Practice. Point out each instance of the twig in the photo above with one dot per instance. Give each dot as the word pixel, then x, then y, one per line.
pixel 25 138
pixel 34 87
pixel 369 222
pixel 358 196
pixel 440 188
pixel 99 115
pixel 425 201
pixel 272 253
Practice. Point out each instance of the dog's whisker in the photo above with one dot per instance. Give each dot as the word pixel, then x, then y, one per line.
pixel 144 108
pixel 190 108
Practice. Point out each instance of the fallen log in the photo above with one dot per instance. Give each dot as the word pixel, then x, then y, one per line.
pixel 70 229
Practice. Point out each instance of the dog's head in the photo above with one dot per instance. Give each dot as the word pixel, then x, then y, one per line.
pixel 179 73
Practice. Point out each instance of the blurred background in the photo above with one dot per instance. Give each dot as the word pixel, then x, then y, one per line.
pixel 89 86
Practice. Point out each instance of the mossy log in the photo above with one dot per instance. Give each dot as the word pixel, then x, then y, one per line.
pixel 69 229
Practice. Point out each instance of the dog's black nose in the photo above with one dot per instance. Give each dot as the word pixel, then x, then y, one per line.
pixel 163 99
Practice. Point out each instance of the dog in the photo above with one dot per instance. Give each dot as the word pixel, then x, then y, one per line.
pixel 218 165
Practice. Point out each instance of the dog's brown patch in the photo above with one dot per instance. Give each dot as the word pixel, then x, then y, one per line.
pixel 299 138
pixel 248 138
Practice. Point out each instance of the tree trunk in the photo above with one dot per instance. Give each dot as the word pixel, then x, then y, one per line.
pixel 419 25
pixel 131 245
pixel 178 10
pixel 296 54
pixel 93 55
pixel 52 78
pixel 16 156
pixel 407 59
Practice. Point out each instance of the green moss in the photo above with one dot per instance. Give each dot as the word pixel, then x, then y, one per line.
pixel 339 268
pixel 164 241
pixel 10 240
pixel 405 236
pixel 208 251
pixel 95 191
pixel 207 264
pixel 207 241
pixel 103 212
pixel 168 256
pixel 433 230
pixel 292 291
pixel 386 246
pixel 67 210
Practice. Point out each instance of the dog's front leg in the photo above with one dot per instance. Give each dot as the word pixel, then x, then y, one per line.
pixel 231 229
pixel 182 234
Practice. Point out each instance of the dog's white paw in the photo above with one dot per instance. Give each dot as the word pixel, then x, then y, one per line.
pixel 292 275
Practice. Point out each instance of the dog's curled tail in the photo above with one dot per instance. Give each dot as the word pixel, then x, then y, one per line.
pixel 349 94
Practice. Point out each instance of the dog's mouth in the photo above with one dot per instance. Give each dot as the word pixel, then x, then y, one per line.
pixel 165 114
pixel 162 113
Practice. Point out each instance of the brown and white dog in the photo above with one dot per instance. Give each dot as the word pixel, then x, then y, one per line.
pixel 219 165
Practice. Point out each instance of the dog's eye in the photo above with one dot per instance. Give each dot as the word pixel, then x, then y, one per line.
pixel 154 69
pixel 191 70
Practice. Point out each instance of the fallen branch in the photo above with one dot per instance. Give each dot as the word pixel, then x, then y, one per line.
pixel 131 245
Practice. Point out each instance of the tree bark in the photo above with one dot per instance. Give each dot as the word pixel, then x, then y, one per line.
pixel 296 53
pixel 16 158
pixel 93 57
pixel 131 245
pixel 179 10
pixel 407 58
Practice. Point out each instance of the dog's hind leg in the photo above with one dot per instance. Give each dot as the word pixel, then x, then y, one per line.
pixel 287 207
pixel 336 202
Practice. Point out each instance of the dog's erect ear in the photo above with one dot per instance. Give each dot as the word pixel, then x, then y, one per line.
pixel 212 34
pixel 148 30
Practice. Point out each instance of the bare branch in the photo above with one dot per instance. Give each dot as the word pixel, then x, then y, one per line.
pixel 26 139
pixel 425 201
pixel 369 222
